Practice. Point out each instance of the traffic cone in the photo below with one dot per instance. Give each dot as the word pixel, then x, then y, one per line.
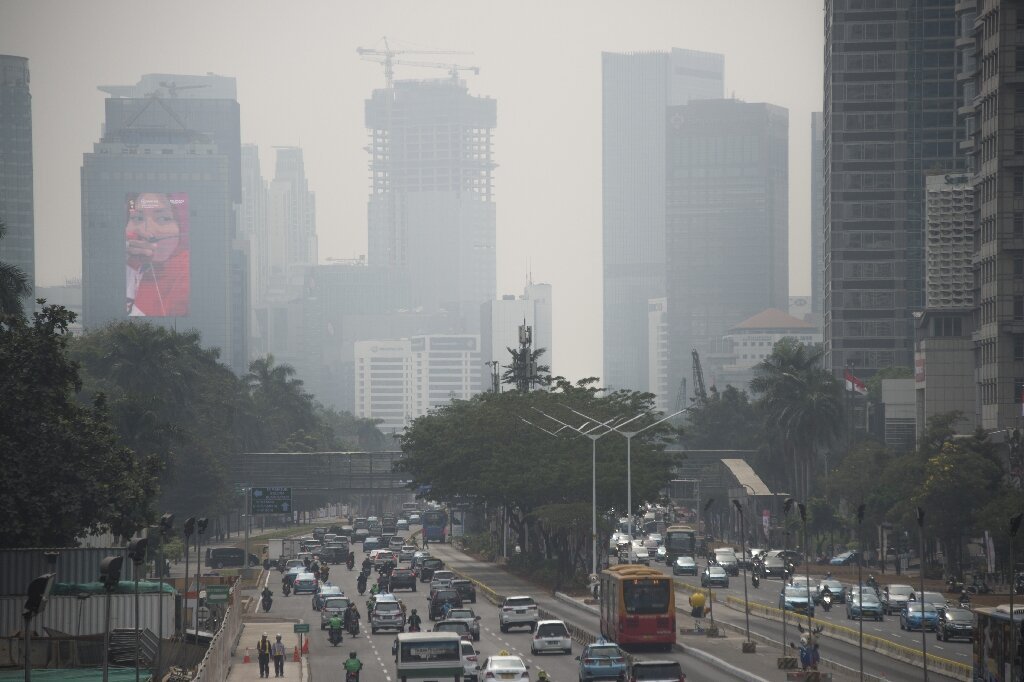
pixel 305 645
pixel 295 656
pixel 246 658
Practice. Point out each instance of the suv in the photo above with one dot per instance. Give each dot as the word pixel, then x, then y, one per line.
pixel 403 579
pixel 333 606
pixel 470 656
pixel 458 626
pixel 517 612
pixel 437 600
pixel 427 568
pixel 601 661
pixel 466 588
pixel 551 635
pixel 726 558
pixel 656 671
pixel 387 614
pixel 318 533
pixel 470 617
pixel 895 598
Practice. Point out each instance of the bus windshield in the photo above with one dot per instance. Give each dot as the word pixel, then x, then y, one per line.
pixel 680 541
pixel 423 652
pixel 644 597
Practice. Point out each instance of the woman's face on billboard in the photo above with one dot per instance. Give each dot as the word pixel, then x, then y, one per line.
pixel 152 232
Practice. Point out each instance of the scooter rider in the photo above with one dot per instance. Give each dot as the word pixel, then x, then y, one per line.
pixel 415 622
pixel 353 665
pixel 826 598
pixel 367 565
pixel 351 561
pixel 351 617
pixel 335 626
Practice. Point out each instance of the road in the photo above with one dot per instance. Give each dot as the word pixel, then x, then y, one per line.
pixel 375 650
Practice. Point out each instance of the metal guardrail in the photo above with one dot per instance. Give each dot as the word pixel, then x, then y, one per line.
pixel 217 662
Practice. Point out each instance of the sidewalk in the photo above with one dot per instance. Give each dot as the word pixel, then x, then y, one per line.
pixel 722 652
pixel 251 633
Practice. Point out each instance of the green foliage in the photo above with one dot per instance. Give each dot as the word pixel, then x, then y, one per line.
pixel 725 421
pixel 492 449
pixel 14 286
pixel 874 384
pixel 64 472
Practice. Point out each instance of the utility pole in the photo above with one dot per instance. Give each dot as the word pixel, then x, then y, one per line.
pixel 495 378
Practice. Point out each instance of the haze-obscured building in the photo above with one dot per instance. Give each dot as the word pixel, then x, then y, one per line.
pixel 636 89
pixel 398 380
pixel 890 117
pixel 431 207
pixel 748 343
pixel 817 213
pixel 159 197
pixel 291 225
pixel 727 232
pixel 17 248
pixel 500 321
pixel 252 225
pixel 657 355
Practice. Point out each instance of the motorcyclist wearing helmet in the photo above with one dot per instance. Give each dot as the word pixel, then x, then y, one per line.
pixel 335 625
pixel 353 664
pixel 414 620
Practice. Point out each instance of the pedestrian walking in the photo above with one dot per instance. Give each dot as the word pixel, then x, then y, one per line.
pixel 263 655
pixel 278 652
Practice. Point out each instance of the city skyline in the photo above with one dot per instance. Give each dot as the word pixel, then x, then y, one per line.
pixel 547 212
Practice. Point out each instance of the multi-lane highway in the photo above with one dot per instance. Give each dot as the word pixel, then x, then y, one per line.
pixel 375 650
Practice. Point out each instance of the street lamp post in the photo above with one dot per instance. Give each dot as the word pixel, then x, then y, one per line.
pixel 712 629
pixel 110 576
pixel 748 646
pixel 137 553
pixel 201 524
pixel 38 593
pixel 592 434
pixel 860 588
pixel 166 530
pixel 1014 527
pixel 187 530
pixel 807 562
pixel 920 597
pixel 787 505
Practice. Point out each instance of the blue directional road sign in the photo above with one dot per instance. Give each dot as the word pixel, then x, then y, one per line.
pixel 272 500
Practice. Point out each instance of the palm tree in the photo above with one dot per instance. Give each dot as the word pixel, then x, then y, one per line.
pixel 280 400
pixel 802 406
pixel 14 286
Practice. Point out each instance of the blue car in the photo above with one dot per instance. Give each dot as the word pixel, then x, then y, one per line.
pixel 797 598
pixel 864 605
pixel 910 618
pixel 602 661
pixel 844 559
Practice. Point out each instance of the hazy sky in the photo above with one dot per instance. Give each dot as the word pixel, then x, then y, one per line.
pixel 300 82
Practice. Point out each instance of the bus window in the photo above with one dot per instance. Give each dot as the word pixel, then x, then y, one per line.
pixel 646 596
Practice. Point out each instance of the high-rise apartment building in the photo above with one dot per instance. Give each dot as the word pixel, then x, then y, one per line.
pixel 726 221
pixel 291 224
pixel 817 214
pixel 998 150
pixel 398 380
pixel 431 208
pixel 889 117
pixel 500 321
pixel 657 354
pixel 158 212
pixel 252 224
pixel 636 89
pixel 17 248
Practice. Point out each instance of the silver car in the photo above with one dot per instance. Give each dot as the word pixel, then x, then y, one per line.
pixel 333 606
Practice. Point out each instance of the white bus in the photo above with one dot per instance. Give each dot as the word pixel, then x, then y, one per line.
pixel 428 655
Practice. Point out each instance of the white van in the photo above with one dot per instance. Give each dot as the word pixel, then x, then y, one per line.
pixel 428 655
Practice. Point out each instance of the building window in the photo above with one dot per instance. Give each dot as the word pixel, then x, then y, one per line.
pixel 1018 183
pixel 1018 390
pixel 1018 224
pixel 1018 307
pixel 1018 266
pixel 1018 348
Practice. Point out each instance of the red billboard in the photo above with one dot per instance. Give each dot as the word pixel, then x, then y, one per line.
pixel 156 237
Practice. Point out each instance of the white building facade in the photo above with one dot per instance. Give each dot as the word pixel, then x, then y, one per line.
pixel 500 321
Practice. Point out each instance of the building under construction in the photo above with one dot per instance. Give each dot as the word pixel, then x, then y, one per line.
pixel 431 209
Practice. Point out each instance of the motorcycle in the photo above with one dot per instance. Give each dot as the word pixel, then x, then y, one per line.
pixel 353 627
pixel 979 587
pixel 965 601
pixel 351 563
pixel 361 586
pixel 351 676
pixel 414 628
pixel 286 589
pixel 334 636
pixel 267 602
pixel 826 602
pixel 754 580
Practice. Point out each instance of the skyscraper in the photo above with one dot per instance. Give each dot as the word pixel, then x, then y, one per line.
pixel 890 117
pixel 636 89
pixel 158 212
pixel 500 320
pixel 291 222
pixel 252 222
pixel 16 208
pixel 431 208
pixel 726 221
pixel 817 214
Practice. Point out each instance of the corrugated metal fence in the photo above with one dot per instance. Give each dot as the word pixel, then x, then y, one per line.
pixel 19 567
pixel 75 616
pixel 217 662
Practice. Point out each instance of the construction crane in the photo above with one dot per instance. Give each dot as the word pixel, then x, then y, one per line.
pixel 453 69
pixel 699 390
pixel 387 57
pixel 172 88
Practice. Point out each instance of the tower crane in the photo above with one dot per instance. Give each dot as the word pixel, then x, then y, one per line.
pixel 453 69
pixel 699 389
pixel 387 57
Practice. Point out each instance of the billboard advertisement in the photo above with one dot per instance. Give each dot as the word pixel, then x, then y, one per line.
pixel 156 237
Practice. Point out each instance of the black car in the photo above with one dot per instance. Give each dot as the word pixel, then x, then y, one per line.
pixel 466 589
pixel 427 568
pixel 774 567
pixel 954 623
pixel 438 599
pixel 403 579
pixel 334 554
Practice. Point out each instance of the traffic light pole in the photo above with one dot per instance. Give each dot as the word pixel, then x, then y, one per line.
pixel 106 640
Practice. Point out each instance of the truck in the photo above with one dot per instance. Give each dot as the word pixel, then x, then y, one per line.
pixel 282 549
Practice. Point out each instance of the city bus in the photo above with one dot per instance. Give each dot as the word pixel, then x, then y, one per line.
pixel 991 641
pixel 428 655
pixel 638 606
pixel 680 541
pixel 435 525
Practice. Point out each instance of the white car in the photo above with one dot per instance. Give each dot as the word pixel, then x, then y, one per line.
pixel 518 612
pixel 470 656
pixel 551 635
pixel 504 668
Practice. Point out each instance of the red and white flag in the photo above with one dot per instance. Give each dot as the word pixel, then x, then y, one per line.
pixel 853 383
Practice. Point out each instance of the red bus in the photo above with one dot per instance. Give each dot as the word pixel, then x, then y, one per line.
pixel 638 606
